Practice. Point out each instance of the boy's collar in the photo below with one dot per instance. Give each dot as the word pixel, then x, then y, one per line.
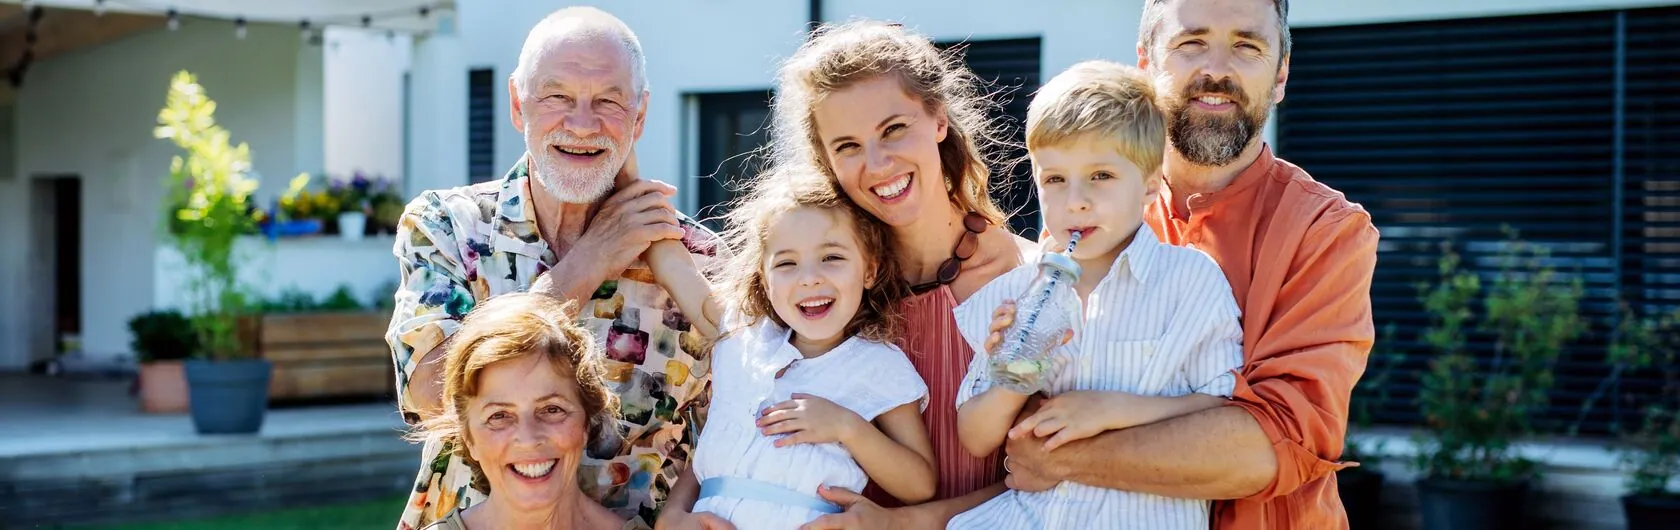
pixel 1138 255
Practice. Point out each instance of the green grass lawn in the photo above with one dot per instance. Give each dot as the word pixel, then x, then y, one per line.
pixel 378 515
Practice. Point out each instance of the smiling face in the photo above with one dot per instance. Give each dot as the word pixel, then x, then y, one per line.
pixel 1217 66
pixel 527 429
pixel 815 273
pixel 883 146
pixel 1085 185
pixel 579 111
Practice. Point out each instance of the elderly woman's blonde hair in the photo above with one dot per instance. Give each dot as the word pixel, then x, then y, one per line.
pixel 506 328
pixel 1101 100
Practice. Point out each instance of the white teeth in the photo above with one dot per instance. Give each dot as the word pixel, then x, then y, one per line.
pixel 818 302
pixel 1211 100
pixel 892 189
pixel 578 151
pixel 534 470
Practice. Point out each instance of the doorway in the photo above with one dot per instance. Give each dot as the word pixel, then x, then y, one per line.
pixel 56 265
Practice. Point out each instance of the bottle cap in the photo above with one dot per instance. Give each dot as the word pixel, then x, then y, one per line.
pixel 1060 261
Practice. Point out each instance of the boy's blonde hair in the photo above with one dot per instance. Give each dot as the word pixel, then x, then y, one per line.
pixel 1103 100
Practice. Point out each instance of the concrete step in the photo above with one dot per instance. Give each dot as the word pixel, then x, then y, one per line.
pixel 161 470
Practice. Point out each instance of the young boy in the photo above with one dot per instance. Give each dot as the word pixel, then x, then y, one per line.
pixel 1159 336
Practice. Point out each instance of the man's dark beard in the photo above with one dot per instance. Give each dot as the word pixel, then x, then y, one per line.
pixel 1213 140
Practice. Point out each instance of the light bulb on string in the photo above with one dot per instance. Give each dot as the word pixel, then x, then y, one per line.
pixel 303 30
pixel 239 28
pixel 367 21
pixel 98 8
pixel 174 20
pixel 425 11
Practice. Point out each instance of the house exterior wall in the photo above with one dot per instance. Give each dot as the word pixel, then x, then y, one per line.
pixel 14 208
pixel 91 114
pixel 362 83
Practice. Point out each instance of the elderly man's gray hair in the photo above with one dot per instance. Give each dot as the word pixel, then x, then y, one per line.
pixel 585 21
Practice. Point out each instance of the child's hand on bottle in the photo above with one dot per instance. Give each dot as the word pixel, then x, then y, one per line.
pixel 1002 318
pixel 808 419
pixel 1072 416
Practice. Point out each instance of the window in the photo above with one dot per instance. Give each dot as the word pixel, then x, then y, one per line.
pixel 481 125
pixel 1011 67
pixel 733 126
pixel 1563 127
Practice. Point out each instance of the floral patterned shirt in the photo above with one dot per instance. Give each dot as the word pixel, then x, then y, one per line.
pixel 460 246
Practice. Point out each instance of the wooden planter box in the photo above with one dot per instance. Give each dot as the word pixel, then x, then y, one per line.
pixel 327 355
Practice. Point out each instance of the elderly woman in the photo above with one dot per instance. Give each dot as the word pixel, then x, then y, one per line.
pixel 524 392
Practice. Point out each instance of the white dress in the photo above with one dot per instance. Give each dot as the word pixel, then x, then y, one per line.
pixel 865 377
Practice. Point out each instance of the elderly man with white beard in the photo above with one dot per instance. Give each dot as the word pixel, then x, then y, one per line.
pixel 570 220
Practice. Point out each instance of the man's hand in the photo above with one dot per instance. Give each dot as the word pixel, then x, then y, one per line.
pixel 1025 458
pixel 638 213
pixel 860 514
pixel 808 419
pixel 673 518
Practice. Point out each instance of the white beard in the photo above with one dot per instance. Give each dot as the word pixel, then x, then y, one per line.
pixel 571 183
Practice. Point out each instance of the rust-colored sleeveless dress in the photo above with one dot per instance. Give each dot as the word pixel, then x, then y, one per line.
pixel 941 356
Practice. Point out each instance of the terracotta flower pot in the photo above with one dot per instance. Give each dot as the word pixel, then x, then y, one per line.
pixel 163 387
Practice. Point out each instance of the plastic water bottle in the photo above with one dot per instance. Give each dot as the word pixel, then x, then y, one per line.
pixel 1045 317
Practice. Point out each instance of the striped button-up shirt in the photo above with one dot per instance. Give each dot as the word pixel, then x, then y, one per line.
pixel 1162 322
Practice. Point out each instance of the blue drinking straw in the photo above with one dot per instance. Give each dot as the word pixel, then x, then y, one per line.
pixel 1040 299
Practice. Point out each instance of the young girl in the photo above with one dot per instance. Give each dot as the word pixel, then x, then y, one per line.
pixel 807 389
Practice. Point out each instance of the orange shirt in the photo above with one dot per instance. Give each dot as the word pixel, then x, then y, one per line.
pixel 1300 258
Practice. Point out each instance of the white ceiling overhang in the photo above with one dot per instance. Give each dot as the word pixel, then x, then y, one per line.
pixel 411 16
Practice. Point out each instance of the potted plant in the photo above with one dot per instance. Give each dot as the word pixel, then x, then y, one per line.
pixel 161 340
pixel 296 211
pixel 352 195
pixel 1471 476
pixel 228 388
pixel 387 204
pixel 1652 451
pixel 1361 487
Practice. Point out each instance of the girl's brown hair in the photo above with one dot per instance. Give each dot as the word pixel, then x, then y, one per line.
pixel 741 277
pixel 840 56
pixel 509 327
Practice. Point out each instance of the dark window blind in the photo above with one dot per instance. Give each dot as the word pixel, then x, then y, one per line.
pixel 1565 127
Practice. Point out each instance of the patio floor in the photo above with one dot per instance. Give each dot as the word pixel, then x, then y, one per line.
pixel 78 450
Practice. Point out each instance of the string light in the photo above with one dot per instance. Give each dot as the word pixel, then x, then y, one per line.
pixel 306 29
pixel 15 74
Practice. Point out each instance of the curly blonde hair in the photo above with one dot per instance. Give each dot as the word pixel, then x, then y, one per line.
pixel 840 56
pixel 506 328
pixel 741 277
